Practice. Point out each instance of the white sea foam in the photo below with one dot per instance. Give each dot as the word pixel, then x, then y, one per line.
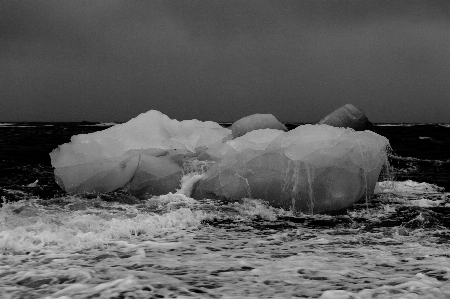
pixel 37 228
pixel 14 125
pixel 105 124
pixel 409 186
pixel 415 192
pixel 124 251
pixel 398 125
pixel 26 226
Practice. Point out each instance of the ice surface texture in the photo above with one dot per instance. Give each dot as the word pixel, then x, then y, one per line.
pixel 312 168
pixel 145 154
pixel 348 116
pixel 255 122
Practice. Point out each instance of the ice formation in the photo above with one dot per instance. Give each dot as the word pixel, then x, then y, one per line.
pixel 145 154
pixel 348 116
pixel 312 168
pixel 255 122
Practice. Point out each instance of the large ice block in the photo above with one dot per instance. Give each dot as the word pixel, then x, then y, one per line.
pixel 312 168
pixel 145 154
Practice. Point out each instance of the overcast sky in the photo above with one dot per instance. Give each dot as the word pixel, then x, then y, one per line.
pixel 222 60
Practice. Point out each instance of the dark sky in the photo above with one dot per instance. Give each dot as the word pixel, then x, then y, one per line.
pixel 221 60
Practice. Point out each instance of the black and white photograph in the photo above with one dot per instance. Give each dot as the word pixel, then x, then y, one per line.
pixel 225 149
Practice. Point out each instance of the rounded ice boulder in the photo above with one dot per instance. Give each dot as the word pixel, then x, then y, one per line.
pixel 255 122
pixel 313 168
pixel 348 116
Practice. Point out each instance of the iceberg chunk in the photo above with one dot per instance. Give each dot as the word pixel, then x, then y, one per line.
pixel 312 168
pixel 255 122
pixel 145 154
pixel 348 116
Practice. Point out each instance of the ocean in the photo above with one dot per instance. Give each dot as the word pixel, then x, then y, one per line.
pixel 114 245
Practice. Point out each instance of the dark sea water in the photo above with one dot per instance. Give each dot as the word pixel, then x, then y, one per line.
pixel 113 245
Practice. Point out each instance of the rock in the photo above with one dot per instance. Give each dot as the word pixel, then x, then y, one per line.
pixel 348 116
pixel 313 168
pixel 255 122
